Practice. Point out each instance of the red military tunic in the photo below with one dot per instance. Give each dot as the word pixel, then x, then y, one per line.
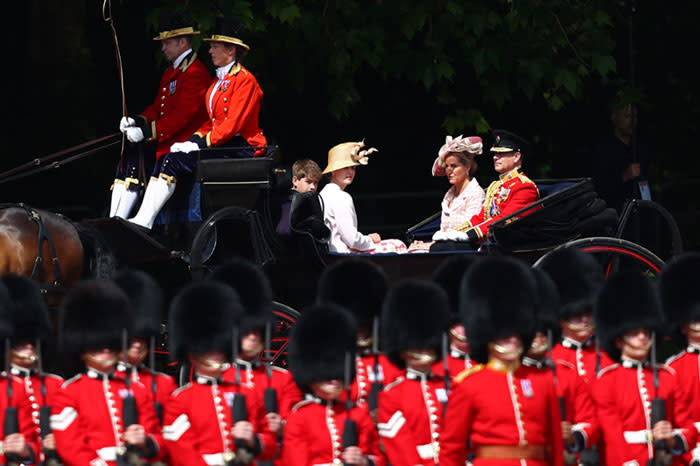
pixel 87 419
pixel 30 383
pixel 582 356
pixel 579 409
pixel 233 109
pixel 623 394
pixel 365 375
pixel 494 406
pixel 164 384
pixel 510 193
pixel 315 431
pixel 457 362
pixel 25 423
pixel 178 109
pixel 198 426
pixel 687 367
pixel 410 413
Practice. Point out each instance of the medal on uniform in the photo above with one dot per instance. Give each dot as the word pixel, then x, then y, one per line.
pixel 173 86
pixel 526 385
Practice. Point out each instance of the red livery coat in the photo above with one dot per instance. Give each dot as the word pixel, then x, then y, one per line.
pixel 315 430
pixel 87 419
pixel 26 425
pixel 179 108
pixel 494 406
pixel 410 413
pixel 510 193
pixel 687 367
pixel 582 356
pixel 623 394
pixel 198 427
pixel 234 110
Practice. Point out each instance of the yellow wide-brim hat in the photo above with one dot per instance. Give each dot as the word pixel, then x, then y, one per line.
pixel 347 154
pixel 228 30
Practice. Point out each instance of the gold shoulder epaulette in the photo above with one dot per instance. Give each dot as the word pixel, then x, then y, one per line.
pixel 467 372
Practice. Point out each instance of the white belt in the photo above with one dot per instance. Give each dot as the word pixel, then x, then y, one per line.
pixel 109 453
pixel 637 436
pixel 214 459
pixel 426 451
pixel 697 426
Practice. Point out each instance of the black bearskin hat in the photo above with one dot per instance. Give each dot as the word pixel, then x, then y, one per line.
pixel 680 294
pixel 548 302
pixel 251 284
pixel 578 277
pixel 6 312
pixel 147 304
pixel 502 295
pixel 318 344
pixel 449 276
pixel 30 314
pixel 94 315
pixel 416 315
pixel 627 300
pixel 201 319
pixel 357 284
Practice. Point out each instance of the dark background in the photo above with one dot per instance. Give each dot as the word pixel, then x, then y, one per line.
pixel 63 89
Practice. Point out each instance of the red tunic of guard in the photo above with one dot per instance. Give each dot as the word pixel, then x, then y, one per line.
pixel 623 394
pixel 582 356
pixel 510 193
pixel 687 367
pixel 198 426
pixel 234 110
pixel 87 419
pixel 315 431
pixel 457 362
pixel 26 425
pixel 410 413
pixel 504 415
pixel 179 107
pixel 365 375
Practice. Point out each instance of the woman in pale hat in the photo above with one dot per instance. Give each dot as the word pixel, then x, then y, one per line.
pixel 339 209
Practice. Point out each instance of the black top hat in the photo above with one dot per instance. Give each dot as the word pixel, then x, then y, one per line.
pixel 505 141
pixel 175 24
pixel 229 30
pixel 626 301
pixel 318 345
pixel 502 295
pixel 146 302
pixel 30 314
pixel 253 288
pixel 680 293
pixel 357 284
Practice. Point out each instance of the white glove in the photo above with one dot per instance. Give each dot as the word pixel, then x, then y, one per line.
pixel 134 134
pixel 126 122
pixel 450 235
pixel 186 147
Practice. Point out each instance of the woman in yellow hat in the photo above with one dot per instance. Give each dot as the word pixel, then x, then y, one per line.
pixel 339 209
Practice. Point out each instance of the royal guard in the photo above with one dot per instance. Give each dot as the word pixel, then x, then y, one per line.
pixel 500 412
pixel 680 297
pixel 359 285
pixel 578 277
pixel 415 320
pixel 30 317
pixel 211 421
pixel 579 421
pixel 641 408
pixel 326 428
pixel 449 276
pixel 272 384
pixel 15 410
pixel 99 419
pixel 147 308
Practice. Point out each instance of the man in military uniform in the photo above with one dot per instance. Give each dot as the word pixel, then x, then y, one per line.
pixel 681 301
pixel 510 193
pixel 177 111
pixel 499 410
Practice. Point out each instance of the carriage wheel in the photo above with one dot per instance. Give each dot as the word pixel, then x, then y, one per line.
pixel 285 318
pixel 615 254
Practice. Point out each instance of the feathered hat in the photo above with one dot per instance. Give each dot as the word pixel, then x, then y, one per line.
pixel 201 319
pixel 318 344
pixel 357 284
pixel 680 294
pixel 251 284
pixel 470 146
pixel 578 277
pixel 626 301
pixel 348 154
pixel 416 315
pixel 498 296
pixel 449 276
pixel 30 314
pixel 146 301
